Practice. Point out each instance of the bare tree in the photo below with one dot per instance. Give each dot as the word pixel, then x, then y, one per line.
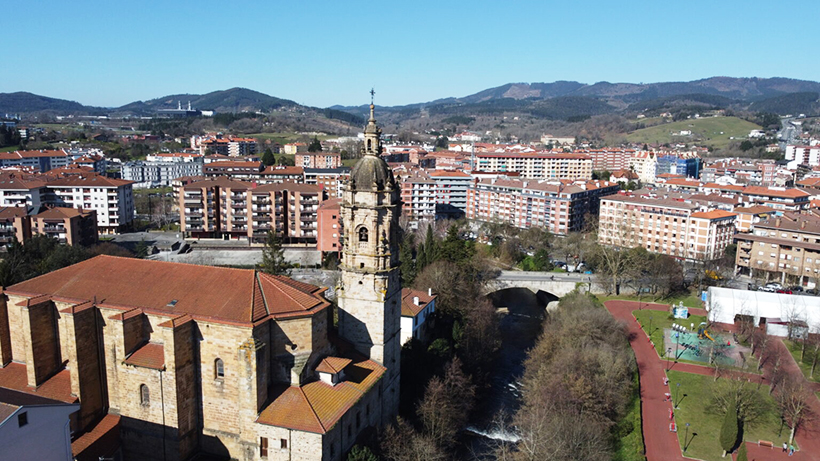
pixel 612 255
pixel 793 398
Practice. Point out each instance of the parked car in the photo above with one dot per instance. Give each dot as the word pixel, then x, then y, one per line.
pixel 767 289
pixel 796 288
pixel 775 285
pixel 785 292
pixel 812 291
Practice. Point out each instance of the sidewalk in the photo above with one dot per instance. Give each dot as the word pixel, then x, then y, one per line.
pixel 663 445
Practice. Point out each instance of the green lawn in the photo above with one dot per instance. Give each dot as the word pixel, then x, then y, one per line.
pixel 9 148
pixel 630 446
pixel 805 364
pixel 349 162
pixel 285 138
pixel 695 397
pixel 658 320
pixel 705 131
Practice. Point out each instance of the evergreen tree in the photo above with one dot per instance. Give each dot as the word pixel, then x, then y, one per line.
pixel 268 158
pixel 728 432
pixel 315 145
pixel 408 266
pixel 273 257
pixel 141 250
pixel 361 453
pixel 421 258
pixel 741 453
pixel 430 247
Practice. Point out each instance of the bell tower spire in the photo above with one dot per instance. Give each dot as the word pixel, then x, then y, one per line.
pixel 372 132
pixel 369 297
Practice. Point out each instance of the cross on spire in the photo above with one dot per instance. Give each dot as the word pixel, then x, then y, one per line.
pixel 372 95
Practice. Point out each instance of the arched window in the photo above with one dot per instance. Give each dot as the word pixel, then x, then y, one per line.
pixel 219 368
pixel 368 145
pixel 145 395
pixel 363 234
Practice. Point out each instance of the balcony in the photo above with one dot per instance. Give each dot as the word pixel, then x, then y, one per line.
pixel 261 218
pixel 239 205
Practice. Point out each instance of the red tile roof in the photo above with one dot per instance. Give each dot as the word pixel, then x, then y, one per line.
pixel 215 293
pixel 150 355
pixel 714 214
pixel 408 307
pixel 58 387
pixel 333 364
pixel 101 441
pixel 317 406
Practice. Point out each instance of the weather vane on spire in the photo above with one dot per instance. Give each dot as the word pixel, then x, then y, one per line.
pixel 372 95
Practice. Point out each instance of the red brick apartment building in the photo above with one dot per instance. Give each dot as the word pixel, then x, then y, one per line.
pixel 558 207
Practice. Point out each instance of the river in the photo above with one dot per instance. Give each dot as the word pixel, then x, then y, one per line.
pixel 522 313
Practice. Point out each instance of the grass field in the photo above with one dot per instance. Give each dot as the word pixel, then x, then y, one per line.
pixel 711 131
pixel 9 148
pixel 285 138
pixel 805 364
pixel 695 396
pixel 631 447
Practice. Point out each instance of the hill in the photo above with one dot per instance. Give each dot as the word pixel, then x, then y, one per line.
pixel 23 102
pixel 232 100
pixel 793 103
pixel 713 131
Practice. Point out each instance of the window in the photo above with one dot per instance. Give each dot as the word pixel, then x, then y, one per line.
pixel 363 234
pixel 263 447
pixel 283 444
pixel 219 369
pixel 22 419
pixel 145 395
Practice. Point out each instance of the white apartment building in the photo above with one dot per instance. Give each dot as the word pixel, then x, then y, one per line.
pixel 803 155
pixel 161 169
pixel 537 165
pixel 665 226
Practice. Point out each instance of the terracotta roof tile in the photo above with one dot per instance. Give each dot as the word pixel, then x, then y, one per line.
pixel 408 308
pixel 102 440
pixel 714 214
pixel 219 294
pixel 58 387
pixel 333 364
pixel 150 355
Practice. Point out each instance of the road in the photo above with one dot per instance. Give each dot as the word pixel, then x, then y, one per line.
pixel 518 276
pixel 788 133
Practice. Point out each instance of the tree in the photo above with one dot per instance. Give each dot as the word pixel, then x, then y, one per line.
pixel 728 431
pixel 361 453
pixel 447 403
pixel 442 142
pixel 408 265
pixel 401 443
pixel 268 157
pixel 141 250
pixel 315 145
pixel 286 160
pixel 273 257
pixel 793 399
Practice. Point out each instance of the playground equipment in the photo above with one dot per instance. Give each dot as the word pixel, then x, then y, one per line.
pixel 703 333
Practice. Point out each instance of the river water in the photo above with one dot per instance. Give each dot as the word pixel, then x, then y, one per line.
pixel 522 313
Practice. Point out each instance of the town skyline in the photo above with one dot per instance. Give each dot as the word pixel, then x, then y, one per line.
pixel 446 54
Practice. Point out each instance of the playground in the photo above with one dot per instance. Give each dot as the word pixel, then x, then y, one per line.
pixel 695 343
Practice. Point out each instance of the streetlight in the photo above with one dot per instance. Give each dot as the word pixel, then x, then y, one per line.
pixel 677 345
pixel 685 437
pixel 677 389
pixel 668 353
pixel 650 325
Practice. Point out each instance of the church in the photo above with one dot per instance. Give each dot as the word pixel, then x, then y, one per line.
pixel 187 360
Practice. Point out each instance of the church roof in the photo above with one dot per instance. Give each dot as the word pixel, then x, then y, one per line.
pixel 369 172
pixel 238 296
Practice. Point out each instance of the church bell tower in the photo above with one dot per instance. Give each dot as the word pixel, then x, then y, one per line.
pixel 370 295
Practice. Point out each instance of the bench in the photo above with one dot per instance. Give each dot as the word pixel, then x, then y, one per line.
pixel 765 443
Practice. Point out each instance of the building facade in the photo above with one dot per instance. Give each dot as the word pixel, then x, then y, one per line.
pixel 537 165
pixel 665 226
pixel 783 248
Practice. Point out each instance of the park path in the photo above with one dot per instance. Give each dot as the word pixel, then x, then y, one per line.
pixel 662 445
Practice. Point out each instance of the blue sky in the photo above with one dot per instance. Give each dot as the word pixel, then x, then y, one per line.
pixel 321 53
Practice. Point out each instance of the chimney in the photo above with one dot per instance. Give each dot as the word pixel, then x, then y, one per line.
pixel 416 300
pixel 802 224
pixel 777 222
pixel 429 292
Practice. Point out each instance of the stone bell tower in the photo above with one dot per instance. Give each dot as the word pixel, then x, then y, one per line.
pixel 370 295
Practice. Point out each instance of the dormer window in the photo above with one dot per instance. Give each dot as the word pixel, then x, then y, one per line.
pixel 331 370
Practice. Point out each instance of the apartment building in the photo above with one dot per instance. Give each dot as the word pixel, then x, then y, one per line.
pixel 230 209
pixel 161 169
pixel 671 227
pixel 275 174
pixel 322 160
pixel 804 155
pixel 749 216
pixel 231 146
pixel 450 192
pixel 329 226
pixel 234 169
pixel 38 161
pixel 294 148
pixel 608 159
pixel 111 199
pixel 784 248
pixel 538 165
pixel 69 226
pixel 418 194
pixel 15 224
pixel 331 179
pixel 559 207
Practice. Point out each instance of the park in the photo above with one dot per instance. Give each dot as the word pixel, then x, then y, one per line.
pixel 707 387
